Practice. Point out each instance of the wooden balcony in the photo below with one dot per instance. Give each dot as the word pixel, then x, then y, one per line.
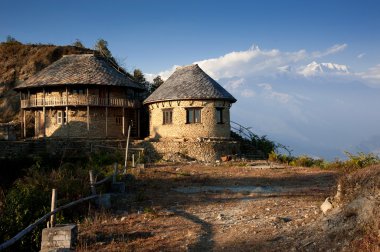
pixel 80 100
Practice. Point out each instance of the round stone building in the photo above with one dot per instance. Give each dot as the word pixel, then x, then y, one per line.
pixel 190 105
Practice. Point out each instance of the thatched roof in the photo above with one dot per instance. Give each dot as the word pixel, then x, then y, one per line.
pixel 189 83
pixel 79 69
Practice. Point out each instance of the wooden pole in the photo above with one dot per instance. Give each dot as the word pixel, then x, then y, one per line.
pixel 88 115
pixel 106 121
pixel 36 124
pixel 53 206
pixel 123 121
pixel 67 112
pixel 44 113
pixel 126 150
pixel 21 116
pixel 138 124
pixel 133 160
pixel 24 122
pixel 92 183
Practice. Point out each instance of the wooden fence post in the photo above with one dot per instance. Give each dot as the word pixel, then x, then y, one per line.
pixel 53 206
pixel 126 150
pixel 92 183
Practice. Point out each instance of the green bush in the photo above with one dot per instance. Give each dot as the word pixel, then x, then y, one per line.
pixel 304 161
pixel 354 161
pixel 360 160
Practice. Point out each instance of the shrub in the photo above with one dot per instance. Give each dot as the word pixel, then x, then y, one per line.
pixel 360 160
pixel 29 197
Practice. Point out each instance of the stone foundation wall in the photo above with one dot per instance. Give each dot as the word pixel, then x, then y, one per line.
pixel 205 151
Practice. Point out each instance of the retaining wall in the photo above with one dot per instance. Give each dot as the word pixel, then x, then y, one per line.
pixel 196 149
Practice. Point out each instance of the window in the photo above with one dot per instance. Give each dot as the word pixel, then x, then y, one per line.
pixel 193 115
pixel 219 115
pixel 77 92
pixel 61 117
pixel 167 116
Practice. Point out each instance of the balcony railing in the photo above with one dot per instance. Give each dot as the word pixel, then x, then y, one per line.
pixel 80 101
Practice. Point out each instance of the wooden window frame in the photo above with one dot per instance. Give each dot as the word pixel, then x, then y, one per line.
pixel 191 115
pixel 167 116
pixel 60 117
pixel 219 115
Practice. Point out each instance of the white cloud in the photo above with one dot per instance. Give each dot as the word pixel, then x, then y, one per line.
pixel 234 84
pixel 372 75
pixel 164 74
pixel 149 77
pixel 253 61
pixel 285 69
pixel 247 93
pixel 270 93
pixel 360 56
pixel 256 62
pixel 334 49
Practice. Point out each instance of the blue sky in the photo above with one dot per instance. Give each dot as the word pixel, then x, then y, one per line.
pixel 306 73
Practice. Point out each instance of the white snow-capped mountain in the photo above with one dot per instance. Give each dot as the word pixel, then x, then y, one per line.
pixel 315 68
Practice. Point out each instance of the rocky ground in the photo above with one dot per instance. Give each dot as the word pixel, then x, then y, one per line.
pixel 230 207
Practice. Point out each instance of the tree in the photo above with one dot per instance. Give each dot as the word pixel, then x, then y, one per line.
pixel 139 76
pixel 102 47
pixel 11 40
pixel 78 43
pixel 156 83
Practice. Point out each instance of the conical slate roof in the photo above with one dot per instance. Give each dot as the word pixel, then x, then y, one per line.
pixel 189 83
pixel 86 69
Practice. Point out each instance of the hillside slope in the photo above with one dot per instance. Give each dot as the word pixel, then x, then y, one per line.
pixel 20 61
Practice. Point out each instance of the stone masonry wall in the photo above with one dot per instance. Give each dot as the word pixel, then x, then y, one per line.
pixel 205 151
pixel 208 128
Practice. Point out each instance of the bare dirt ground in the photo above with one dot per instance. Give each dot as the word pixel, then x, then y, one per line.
pixel 231 207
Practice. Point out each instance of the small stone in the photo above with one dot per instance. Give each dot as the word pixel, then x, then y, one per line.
pixel 220 217
pixel 326 206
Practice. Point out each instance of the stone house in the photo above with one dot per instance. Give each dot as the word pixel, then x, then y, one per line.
pixel 190 105
pixel 80 96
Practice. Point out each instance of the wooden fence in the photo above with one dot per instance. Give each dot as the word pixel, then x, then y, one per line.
pixel 55 210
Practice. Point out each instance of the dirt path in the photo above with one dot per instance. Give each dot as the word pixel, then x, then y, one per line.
pixel 206 208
